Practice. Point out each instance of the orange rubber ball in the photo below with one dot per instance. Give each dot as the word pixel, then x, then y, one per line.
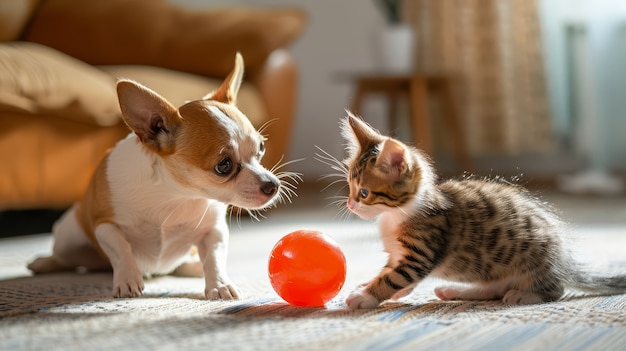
pixel 307 268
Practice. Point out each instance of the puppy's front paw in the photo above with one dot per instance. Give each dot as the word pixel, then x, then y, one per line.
pixel 127 284
pixel 222 291
pixel 361 299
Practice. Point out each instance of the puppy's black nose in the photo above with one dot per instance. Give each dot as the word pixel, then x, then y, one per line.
pixel 269 188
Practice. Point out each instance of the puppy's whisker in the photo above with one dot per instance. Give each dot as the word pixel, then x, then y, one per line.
pixel 286 192
pixel 254 215
pixel 171 213
pixel 231 209
pixel 206 209
pixel 265 125
pixel 280 164
pixel 287 195
pixel 293 176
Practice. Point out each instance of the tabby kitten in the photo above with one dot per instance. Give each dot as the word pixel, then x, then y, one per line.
pixel 492 235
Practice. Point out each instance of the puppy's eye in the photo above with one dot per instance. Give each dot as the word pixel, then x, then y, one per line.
pixel 364 193
pixel 262 147
pixel 224 167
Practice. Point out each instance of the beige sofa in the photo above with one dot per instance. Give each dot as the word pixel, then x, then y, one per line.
pixel 59 60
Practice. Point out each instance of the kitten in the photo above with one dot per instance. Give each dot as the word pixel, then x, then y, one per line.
pixel 493 236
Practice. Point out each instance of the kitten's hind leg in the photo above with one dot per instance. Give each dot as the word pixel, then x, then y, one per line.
pixel 519 297
pixel 477 292
pixel 469 292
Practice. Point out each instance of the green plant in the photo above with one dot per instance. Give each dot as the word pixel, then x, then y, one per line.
pixel 391 9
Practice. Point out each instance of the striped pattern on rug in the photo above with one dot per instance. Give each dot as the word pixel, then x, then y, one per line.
pixel 75 312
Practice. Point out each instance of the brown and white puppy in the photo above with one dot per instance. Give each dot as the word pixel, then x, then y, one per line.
pixel 164 191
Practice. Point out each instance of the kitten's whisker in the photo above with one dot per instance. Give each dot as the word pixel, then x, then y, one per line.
pixel 333 175
pixel 331 161
pixel 403 211
pixel 341 170
pixel 338 203
pixel 333 183
pixel 343 214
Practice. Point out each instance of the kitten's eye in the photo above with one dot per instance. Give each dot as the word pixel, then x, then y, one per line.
pixel 364 193
pixel 224 167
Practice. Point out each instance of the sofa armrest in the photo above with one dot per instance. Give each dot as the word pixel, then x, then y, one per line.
pixel 154 32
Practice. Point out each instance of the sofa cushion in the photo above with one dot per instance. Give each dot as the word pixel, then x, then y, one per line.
pixel 14 14
pixel 36 79
pixel 157 33
pixel 179 87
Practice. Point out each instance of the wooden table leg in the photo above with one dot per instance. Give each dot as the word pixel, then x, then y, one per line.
pixel 392 118
pixel 358 99
pixel 452 116
pixel 419 115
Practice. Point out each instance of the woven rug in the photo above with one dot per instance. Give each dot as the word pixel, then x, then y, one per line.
pixel 76 312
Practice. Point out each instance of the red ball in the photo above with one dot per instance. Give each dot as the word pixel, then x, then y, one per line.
pixel 307 268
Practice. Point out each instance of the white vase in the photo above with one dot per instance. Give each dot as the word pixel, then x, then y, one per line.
pixel 394 49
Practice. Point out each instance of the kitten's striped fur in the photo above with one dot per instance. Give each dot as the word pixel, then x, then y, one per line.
pixel 493 235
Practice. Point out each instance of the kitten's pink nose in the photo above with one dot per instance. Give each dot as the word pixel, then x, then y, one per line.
pixel 351 204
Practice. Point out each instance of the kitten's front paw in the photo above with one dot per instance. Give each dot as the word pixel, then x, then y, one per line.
pixel 222 291
pixel 127 284
pixel 360 299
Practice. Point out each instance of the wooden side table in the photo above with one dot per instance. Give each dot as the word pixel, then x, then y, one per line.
pixel 416 87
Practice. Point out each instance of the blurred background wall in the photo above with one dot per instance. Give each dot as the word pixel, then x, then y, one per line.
pixel 583 51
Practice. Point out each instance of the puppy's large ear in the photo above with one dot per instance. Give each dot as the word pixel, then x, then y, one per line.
pixel 227 92
pixel 149 115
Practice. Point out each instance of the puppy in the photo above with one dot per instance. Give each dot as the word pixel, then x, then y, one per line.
pixel 162 193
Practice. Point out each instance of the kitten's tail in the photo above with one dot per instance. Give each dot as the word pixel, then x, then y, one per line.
pixel 599 285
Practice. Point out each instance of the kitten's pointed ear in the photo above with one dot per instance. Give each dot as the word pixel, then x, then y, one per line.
pixel 393 159
pixel 356 131
pixel 227 92
pixel 152 118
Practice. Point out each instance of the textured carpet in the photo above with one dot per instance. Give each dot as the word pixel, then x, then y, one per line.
pixel 75 311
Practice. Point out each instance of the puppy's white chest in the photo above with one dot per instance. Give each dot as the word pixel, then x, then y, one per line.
pixel 163 241
pixel 159 219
